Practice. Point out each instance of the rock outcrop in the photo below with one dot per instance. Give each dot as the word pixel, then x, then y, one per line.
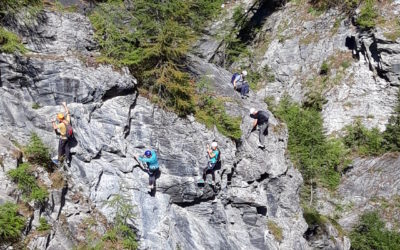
pixel 112 124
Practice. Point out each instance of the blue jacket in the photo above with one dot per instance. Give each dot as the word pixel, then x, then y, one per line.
pixel 152 162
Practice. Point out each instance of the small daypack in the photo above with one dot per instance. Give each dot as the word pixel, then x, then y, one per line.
pixel 234 77
pixel 219 156
pixel 69 131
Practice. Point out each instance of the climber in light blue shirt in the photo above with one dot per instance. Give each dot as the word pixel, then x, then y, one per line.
pixel 150 158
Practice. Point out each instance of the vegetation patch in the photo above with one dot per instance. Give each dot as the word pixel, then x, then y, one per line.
pixel 317 157
pixel 393 29
pixel 10 42
pixel 11 223
pixel 275 230
pixel 370 233
pixel 44 226
pixel 120 235
pixel 211 112
pixel 27 183
pixel 38 153
pixel 372 142
pixel 368 15
pixel 152 38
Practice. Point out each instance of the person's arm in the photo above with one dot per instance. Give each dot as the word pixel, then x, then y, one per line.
pixel 65 108
pixel 210 152
pixel 53 122
pixel 255 124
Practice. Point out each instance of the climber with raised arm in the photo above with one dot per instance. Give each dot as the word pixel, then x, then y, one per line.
pixel 240 84
pixel 150 158
pixel 63 128
pixel 214 156
pixel 261 120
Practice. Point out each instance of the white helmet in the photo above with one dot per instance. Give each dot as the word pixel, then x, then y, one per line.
pixel 214 144
pixel 252 110
pixel 244 73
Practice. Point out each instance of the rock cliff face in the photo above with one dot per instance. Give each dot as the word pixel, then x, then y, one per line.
pixel 112 124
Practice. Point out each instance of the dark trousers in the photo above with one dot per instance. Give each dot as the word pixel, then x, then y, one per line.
pixel 63 149
pixel 262 132
pixel 209 169
pixel 153 176
pixel 243 89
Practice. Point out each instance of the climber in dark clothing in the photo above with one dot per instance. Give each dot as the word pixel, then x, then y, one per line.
pixel 150 158
pixel 213 154
pixel 261 120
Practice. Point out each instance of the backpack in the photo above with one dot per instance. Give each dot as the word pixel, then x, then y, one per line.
pixel 219 156
pixel 234 77
pixel 69 131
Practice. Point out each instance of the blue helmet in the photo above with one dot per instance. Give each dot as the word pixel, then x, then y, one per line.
pixel 147 153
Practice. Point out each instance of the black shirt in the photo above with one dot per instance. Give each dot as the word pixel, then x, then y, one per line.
pixel 261 116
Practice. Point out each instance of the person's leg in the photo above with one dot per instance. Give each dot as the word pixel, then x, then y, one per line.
pixel 261 133
pixel 205 173
pixel 213 172
pixel 67 151
pixel 244 90
pixel 61 149
pixel 151 177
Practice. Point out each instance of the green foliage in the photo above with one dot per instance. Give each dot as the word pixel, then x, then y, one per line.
pixel 211 112
pixel 26 181
pixel 316 157
pixel 44 225
pixel 392 132
pixel 121 232
pixel 368 15
pixel 35 105
pixel 370 233
pixel 275 230
pixel 9 42
pixel 363 141
pixel 11 224
pixel 313 217
pixel 12 6
pixel 314 100
pixel 152 39
pixel 38 153
pixel 324 68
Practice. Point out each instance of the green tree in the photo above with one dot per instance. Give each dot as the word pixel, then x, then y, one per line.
pixel 392 132
pixel 11 223
pixel 370 233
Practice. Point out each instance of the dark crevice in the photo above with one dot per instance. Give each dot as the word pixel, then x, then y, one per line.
pixel 262 210
pixel 116 91
pixel 264 9
pixel 99 179
pixel 263 177
pixel 127 128
pixel 196 201
pixel 64 192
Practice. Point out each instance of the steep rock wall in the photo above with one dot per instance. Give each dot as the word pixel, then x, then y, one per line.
pixel 112 124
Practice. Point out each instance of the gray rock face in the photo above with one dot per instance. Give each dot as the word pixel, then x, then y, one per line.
pixel 112 123
pixel 294 43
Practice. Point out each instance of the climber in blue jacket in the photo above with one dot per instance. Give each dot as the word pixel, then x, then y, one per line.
pixel 150 158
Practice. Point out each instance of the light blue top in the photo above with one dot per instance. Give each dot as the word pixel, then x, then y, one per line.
pixel 152 162
pixel 239 79
pixel 214 159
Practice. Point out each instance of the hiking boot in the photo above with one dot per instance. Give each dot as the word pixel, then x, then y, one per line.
pixel 260 145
